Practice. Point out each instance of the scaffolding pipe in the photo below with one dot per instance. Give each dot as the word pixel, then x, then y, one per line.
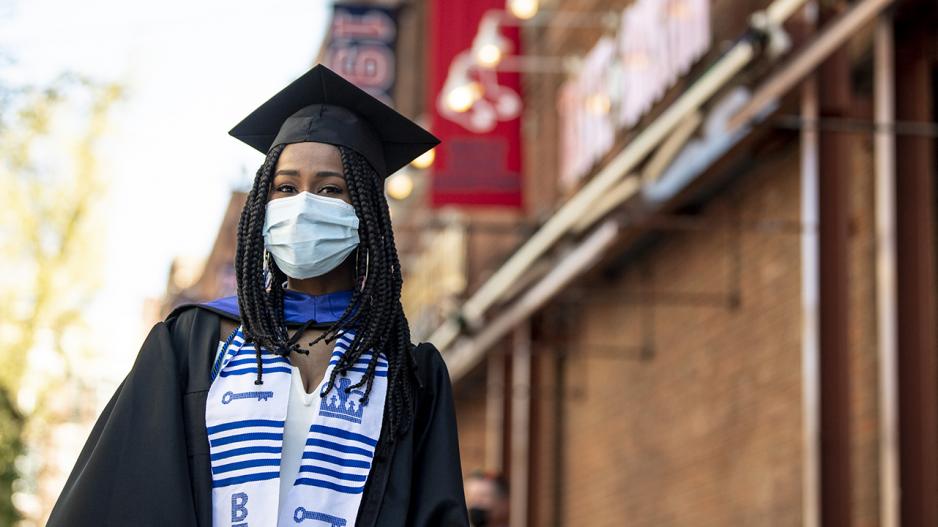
pixel 884 148
pixel 810 327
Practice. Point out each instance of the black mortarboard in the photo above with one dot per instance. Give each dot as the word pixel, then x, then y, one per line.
pixel 322 106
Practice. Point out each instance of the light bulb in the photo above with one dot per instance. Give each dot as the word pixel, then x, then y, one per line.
pixel 489 55
pixel 489 46
pixel 598 103
pixel 523 9
pixel 400 186
pixel 462 97
pixel 424 160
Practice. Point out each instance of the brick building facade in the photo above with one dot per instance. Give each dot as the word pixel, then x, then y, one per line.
pixel 667 382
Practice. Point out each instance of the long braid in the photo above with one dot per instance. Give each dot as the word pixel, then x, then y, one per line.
pixel 253 301
pixel 374 310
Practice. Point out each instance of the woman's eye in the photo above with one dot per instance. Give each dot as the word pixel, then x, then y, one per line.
pixel 285 188
pixel 331 189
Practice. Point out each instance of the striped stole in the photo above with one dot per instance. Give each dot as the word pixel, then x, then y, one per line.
pixel 245 424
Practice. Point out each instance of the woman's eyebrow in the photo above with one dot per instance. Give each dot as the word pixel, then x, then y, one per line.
pixel 295 173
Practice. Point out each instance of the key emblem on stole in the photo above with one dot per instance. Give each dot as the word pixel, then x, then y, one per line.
pixel 302 514
pixel 260 396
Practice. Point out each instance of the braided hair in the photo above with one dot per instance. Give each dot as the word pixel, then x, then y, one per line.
pixel 375 308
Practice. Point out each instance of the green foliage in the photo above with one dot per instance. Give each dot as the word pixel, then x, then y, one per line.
pixel 11 447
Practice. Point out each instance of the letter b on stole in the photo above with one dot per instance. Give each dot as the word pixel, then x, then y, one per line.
pixel 239 509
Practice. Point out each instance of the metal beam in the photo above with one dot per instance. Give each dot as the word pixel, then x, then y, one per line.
pixel 468 352
pixel 917 310
pixel 835 154
pixel 808 59
pixel 494 411
pixel 520 424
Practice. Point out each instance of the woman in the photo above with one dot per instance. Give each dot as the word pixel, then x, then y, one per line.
pixel 302 400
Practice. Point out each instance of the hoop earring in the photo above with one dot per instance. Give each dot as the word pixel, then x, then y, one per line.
pixel 268 275
pixel 367 261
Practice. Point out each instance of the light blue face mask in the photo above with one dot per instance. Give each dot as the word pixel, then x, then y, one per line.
pixel 309 235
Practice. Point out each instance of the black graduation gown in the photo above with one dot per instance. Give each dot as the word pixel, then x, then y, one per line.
pixel 146 462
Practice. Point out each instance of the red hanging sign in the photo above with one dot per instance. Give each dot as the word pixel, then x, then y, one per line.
pixel 479 160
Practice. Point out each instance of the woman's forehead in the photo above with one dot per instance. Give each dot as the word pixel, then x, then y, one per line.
pixel 310 154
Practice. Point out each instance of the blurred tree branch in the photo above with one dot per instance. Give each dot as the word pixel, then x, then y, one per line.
pixel 51 248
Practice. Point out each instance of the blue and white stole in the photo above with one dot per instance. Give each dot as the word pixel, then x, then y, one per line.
pixel 245 424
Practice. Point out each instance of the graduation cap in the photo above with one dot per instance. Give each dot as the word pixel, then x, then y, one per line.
pixel 323 107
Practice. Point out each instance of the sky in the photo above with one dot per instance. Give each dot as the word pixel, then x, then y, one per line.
pixel 191 70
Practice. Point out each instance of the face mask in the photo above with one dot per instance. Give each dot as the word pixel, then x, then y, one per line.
pixel 309 235
pixel 478 517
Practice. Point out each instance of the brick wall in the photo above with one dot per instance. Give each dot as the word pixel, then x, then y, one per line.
pixel 706 429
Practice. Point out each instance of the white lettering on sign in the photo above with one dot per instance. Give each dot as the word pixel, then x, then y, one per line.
pixel 361 48
pixel 372 25
pixel 589 133
pixel 623 77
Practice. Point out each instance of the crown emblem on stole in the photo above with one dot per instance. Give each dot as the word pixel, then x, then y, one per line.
pixel 341 405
